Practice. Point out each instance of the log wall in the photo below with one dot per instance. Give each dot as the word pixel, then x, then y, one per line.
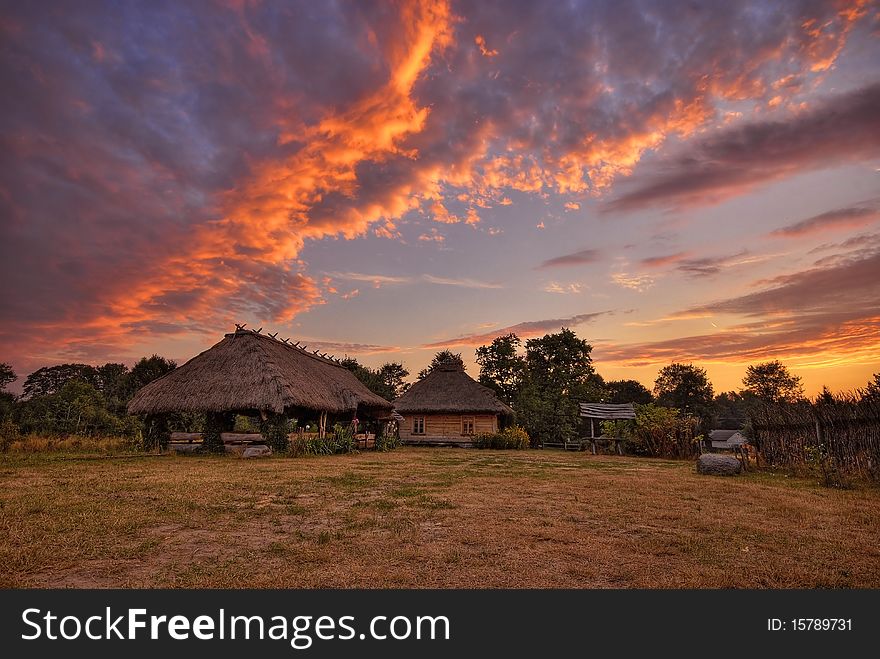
pixel 448 425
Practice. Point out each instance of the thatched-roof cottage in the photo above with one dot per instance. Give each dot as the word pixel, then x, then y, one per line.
pixel 252 373
pixel 448 406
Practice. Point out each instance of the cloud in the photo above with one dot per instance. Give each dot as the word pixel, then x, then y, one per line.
pixel 380 280
pixel 180 169
pixel 842 218
pixel 663 260
pixel 481 44
pixel 580 257
pixel 377 280
pixel 556 287
pixel 851 284
pixel 843 128
pixel 633 282
pixel 432 236
pixel 338 348
pixel 706 266
pixel 525 330
pixel 823 313
pixel 462 282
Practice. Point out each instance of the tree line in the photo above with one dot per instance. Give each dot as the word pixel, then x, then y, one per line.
pixel 543 379
pixel 77 399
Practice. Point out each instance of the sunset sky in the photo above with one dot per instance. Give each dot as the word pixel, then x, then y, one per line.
pixel 675 181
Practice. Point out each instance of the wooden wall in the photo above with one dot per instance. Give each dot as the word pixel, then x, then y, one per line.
pixel 448 425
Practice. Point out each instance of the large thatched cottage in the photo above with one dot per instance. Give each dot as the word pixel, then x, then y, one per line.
pixel 448 406
pixel 252 373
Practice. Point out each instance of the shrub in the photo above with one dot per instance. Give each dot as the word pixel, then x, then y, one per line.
pixel 247 424
pixel 156 432
pixel 387 442
pixel 513 437
pixel 339 439
pixel 212 442
pixel 298 445
pixel 658 432
pixel 276 429
pixel 9 433
pixel 342 439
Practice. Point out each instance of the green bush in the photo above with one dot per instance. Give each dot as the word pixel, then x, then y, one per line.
pixel 513 437
pixel 276 429
pixel 247 424
pixel 9 433
pixel 657 431
pixel 298 446
pixel 387 441
pixel 339 439
pixel 215 424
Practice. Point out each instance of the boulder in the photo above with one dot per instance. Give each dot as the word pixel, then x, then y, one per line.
pixel 715 464
pixel 256 451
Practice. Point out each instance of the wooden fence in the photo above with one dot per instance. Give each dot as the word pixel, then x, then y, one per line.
pixel 840 437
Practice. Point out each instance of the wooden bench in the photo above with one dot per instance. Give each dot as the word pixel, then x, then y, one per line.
pixel 616 441
pixel 577 444
pixel 227 437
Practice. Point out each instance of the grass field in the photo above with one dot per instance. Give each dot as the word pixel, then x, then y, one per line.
pixel 425 518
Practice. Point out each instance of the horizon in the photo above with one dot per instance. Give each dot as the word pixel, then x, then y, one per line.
pixel 696 184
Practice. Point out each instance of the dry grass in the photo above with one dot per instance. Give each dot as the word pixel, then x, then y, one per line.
pixel 425 518
pixel 41 444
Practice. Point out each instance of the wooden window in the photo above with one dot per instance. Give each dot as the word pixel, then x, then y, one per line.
pixel 418 425
pixel 467 425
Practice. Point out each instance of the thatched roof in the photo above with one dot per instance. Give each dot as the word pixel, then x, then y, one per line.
pixel 449 389
pixel 251 371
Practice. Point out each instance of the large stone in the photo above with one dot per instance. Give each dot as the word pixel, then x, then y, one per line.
pixel 256 451
pixel 715 464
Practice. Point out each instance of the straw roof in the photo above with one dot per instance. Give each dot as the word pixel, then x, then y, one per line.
pixel 252 371
pixel 448 388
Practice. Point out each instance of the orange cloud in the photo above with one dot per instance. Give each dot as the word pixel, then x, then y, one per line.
pixel 244 262
pixel 481 44
pixel 525 330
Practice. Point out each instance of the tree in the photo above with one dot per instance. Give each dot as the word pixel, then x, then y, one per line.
pixel 112 381
pixel 7 399
pixel 627 391
pixel 7 375
pixel 686 387
pixel 393 375
pixel 145 371
pixel 386 381
pixel 872 390
pixel 825 396
pixel 78 408
pixel 50 379
pixel 444 357
pixel 502 367
pixel 771 382
pixel 730 409
pixel 558 375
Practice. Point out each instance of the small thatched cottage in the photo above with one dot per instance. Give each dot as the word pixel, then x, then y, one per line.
pixel 252 373
pixel 448 406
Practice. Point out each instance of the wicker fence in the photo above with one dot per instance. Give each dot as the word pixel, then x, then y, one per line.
pixel 840 437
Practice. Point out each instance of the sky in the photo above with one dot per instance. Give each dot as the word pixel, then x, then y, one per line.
pixel 674 181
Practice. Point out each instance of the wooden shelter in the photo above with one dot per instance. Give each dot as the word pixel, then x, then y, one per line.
pixel 257 374
pixel 605 412
pixel 448 407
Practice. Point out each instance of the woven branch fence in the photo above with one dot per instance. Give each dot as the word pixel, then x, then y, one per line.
pixel 841 436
